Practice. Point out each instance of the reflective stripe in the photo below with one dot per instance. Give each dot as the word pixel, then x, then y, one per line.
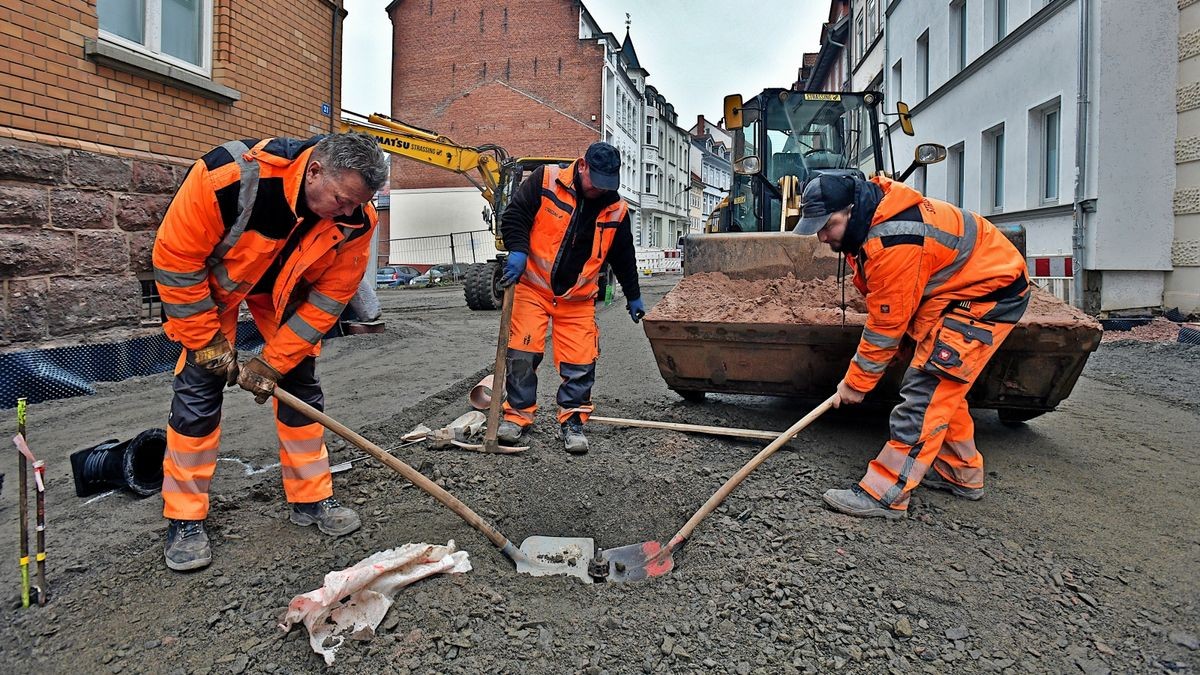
pixel 180 279
pixel 184 310
pixel 304 329
pixel 226 282
pixel 325 303
pixel 901 227
pixel 966 245
pixel 868 365
pixel 192 460
pixel 306 471
pixel 303 446
pixel 880 340
pixel 187 487
pixel 247 193
pixel 549 194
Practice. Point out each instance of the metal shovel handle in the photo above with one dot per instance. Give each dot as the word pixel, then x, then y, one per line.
pixel 412 475
pixel 720 495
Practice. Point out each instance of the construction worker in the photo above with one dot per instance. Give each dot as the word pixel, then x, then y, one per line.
pixel 284 225
pixel 561 226
pixel 955 285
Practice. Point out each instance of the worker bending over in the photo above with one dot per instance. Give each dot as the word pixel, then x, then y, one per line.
pixel 952 282
pixel 561 227
pixel 286 226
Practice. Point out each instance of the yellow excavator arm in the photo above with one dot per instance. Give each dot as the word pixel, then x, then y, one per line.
pixel 480 165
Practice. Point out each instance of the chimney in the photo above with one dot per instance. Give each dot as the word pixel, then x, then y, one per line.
pixel 699 124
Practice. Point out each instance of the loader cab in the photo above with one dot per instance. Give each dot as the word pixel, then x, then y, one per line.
pixel 781 138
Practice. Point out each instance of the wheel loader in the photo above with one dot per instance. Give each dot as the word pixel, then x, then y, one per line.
pixel 781 139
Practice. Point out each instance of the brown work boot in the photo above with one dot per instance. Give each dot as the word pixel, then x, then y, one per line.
pixel 855 502
pixel 935 480
pixel 329 516
pixel 187 546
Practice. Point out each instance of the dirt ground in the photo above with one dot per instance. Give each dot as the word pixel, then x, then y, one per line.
pixel 1082 557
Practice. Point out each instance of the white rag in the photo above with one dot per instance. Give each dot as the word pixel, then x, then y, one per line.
pixel 369 585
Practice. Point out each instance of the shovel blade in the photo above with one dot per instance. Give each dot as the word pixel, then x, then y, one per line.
pixel 636 562
pixel 544 556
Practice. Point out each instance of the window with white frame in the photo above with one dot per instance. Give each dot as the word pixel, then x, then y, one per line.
pixel 176 31
pixel 898 81
pixel 956 168
pixel 958 36
pixel 992 167
pixel 872 21
pixel 923 65
pixel 859 43
pixel 1050 154
pixel 1000 15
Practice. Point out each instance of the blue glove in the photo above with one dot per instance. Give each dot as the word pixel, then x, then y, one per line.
pixel 514 267
pixel 637 309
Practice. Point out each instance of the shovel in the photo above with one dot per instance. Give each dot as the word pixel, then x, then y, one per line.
pixel 538 556
pixel 653 559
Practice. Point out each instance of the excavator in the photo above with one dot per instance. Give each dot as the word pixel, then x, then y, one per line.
pixel 782 138
pixel 488 167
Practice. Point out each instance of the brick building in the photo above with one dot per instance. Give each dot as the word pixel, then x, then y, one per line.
pixel 99 119
pixel 537 78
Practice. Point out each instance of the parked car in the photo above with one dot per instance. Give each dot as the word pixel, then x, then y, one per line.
pixel 432 277
pixel 395 276
pixel 452 271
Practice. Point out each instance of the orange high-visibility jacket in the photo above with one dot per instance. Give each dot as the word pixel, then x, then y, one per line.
pixel 228 222
pixel 550 225
pixel 910 271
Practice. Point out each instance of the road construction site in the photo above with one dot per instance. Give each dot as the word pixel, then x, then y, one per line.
pixel 1081 558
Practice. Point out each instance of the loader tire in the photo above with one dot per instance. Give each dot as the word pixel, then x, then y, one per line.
pixel 1017 417
pixel 482 286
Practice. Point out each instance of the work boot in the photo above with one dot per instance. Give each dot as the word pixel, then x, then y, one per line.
pixel 509 432
pixel 935 480
pixel 187 546
pixel 572 434
pixel 329 515
pixel 855 502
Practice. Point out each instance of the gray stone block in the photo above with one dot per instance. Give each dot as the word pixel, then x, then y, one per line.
pixel 29 252
pixel 27 302
pixel 74 209
pixel 141 252
pixel 102 252
pixel 34 163
pixel 21 205
pixel 87 169
pixel 141 212
pixel 89 303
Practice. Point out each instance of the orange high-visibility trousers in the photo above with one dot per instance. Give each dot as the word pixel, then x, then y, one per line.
pixel 932 426
pixel 576 342
pixel 194 433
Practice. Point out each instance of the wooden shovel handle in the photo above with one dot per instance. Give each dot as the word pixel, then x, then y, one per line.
pixel 462 510
pixel 720 495
pixel 490 444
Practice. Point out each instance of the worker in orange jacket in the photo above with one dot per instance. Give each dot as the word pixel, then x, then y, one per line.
pixel 561 227
pixel 284 225
pixel 955 285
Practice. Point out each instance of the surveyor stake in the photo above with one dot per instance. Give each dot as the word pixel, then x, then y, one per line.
pixel 652 558
pixel 537 556
pixel 490 443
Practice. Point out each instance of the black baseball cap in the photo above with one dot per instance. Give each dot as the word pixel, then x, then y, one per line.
pixel 604 166
pixel 823 196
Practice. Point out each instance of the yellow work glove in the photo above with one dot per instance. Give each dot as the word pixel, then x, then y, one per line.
pixel 258 378
pixel 217 357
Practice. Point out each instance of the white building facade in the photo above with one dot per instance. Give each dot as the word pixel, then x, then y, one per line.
pixel 666 158
pixel 713 145
pixel 999 83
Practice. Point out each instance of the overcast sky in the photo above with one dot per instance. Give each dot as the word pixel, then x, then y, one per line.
pixel 697 51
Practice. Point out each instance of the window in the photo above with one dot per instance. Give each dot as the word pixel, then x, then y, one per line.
pixel 176 31
pixel 922 65
pixel 1050 155
pixel 958 36
pixel 649 130
pixel 956 175
pixel 1001 19
pixel 993 167
pixel 859 43
pixel 898 81
pixel 872 21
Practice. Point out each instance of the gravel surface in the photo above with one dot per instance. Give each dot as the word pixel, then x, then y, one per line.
pixel 1082 557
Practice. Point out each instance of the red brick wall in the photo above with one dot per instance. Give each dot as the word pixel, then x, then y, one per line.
pixel 274 52
pixel 519 77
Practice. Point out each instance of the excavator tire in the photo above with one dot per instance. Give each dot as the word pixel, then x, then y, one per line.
pixel 482 286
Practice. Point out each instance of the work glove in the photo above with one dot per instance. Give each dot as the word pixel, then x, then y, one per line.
pixel 217 357
pixel 514 267
pixel 637 309
pixel 258 378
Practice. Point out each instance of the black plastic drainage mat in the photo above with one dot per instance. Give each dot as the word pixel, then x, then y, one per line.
pixel 62 372
pixel 1189 336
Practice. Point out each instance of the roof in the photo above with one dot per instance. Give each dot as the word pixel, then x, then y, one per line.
pixel 630 54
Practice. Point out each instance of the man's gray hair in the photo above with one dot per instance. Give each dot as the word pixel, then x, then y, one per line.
pixel 353 152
